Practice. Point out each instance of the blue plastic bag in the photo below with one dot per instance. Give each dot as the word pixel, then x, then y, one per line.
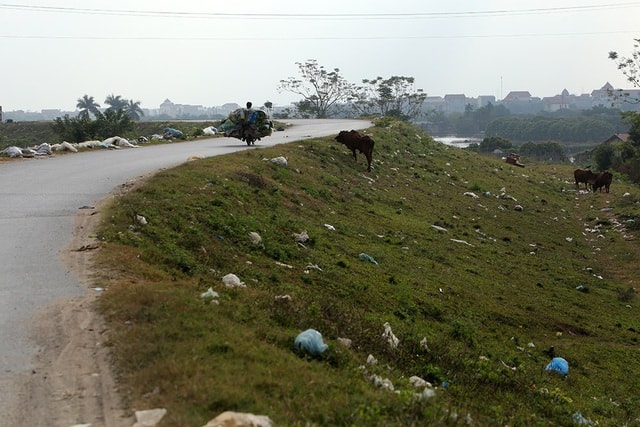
pixel 559 365
pixel 311 342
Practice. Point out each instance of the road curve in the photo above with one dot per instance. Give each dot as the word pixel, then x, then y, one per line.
pixel 39 199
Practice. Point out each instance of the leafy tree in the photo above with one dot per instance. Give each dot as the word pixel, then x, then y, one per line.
pixel 87 104
pixel 133 110
pixel 112 123
pixel 82 128
pixel 544 151
pixel 490 144
pixel 320 89
pixel 603 156
pixel 115 102
pixel 394 97
pixel 74 129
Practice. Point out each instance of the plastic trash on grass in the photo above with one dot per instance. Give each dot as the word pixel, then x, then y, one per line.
pixel 558 365
pixel 310 341
pixel 365 257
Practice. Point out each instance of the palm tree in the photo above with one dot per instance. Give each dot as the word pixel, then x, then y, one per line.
pixel 116 102
pixel 87 105
pixel 133 110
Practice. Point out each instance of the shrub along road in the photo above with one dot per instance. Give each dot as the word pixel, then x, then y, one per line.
pixel 53 372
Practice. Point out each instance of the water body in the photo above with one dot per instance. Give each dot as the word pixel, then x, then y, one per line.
pixel 457 141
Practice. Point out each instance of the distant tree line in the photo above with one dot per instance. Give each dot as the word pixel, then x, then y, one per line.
pixel 117 119
pixel 547 151
pixel 540 128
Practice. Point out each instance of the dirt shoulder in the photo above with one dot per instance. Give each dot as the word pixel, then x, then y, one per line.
pixel 72 382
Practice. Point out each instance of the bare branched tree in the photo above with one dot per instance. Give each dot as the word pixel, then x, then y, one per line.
pixel 395 96
pixel 322 91
pixel 630 67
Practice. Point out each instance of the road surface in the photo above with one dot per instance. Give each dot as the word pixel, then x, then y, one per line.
pixel 39 201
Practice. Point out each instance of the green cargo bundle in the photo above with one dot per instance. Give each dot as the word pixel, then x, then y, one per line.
pixel 247 125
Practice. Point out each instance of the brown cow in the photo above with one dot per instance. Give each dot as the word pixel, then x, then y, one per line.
pixel 354 141
pixel 584 175
pixel 603 179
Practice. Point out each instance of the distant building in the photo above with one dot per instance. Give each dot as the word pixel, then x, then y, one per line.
pixel 617 137
pixel 517 96
pixel 603 96
pixel 558 102
pixel 484 100
pixel 455 103
pixel 433 103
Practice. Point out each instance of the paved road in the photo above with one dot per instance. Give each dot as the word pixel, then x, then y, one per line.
pixel 38 201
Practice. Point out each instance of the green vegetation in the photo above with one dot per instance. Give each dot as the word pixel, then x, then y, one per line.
pixel 475 289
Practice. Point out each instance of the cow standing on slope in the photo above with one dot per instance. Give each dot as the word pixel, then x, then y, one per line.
pixel 586 176
pixel 354 141
pixel 603 180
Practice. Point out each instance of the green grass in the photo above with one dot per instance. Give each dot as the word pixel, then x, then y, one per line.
pixel 488 294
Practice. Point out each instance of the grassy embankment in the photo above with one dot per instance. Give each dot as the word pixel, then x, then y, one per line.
pixel 474 301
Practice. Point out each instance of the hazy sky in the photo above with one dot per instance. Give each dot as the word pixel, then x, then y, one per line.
pixel 213 52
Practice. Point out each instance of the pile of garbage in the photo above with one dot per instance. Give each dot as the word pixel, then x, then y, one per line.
pixel 247 124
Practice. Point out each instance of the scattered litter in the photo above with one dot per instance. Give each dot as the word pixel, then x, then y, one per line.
pixel 569 239
pixel 281 264
pixel 461 241
pixel 87 207
pixel 98 289
pixel 302 237
pixel 329 227
pixel 423 344
pixel 210 294
pixel 371 360
pixel 239 419
pixel 558 365
pixel 313 267
pixel 169 133
pixel 582 288
pixel 66 146
pixel 518 208
pixel 141 220
pixel 283 298
pixel 149 418
pixel 255 238
pixel 232 281
pixel 209 131
pixel 427 393
pixel 345 342
pixel 383 383
pixel 470 194
pixel 437 227
pixel 311 342
pixel 582 421
pixel 12 151
pixel 389 336
pixel 281 161
pixel 365 257
pixel 416 381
